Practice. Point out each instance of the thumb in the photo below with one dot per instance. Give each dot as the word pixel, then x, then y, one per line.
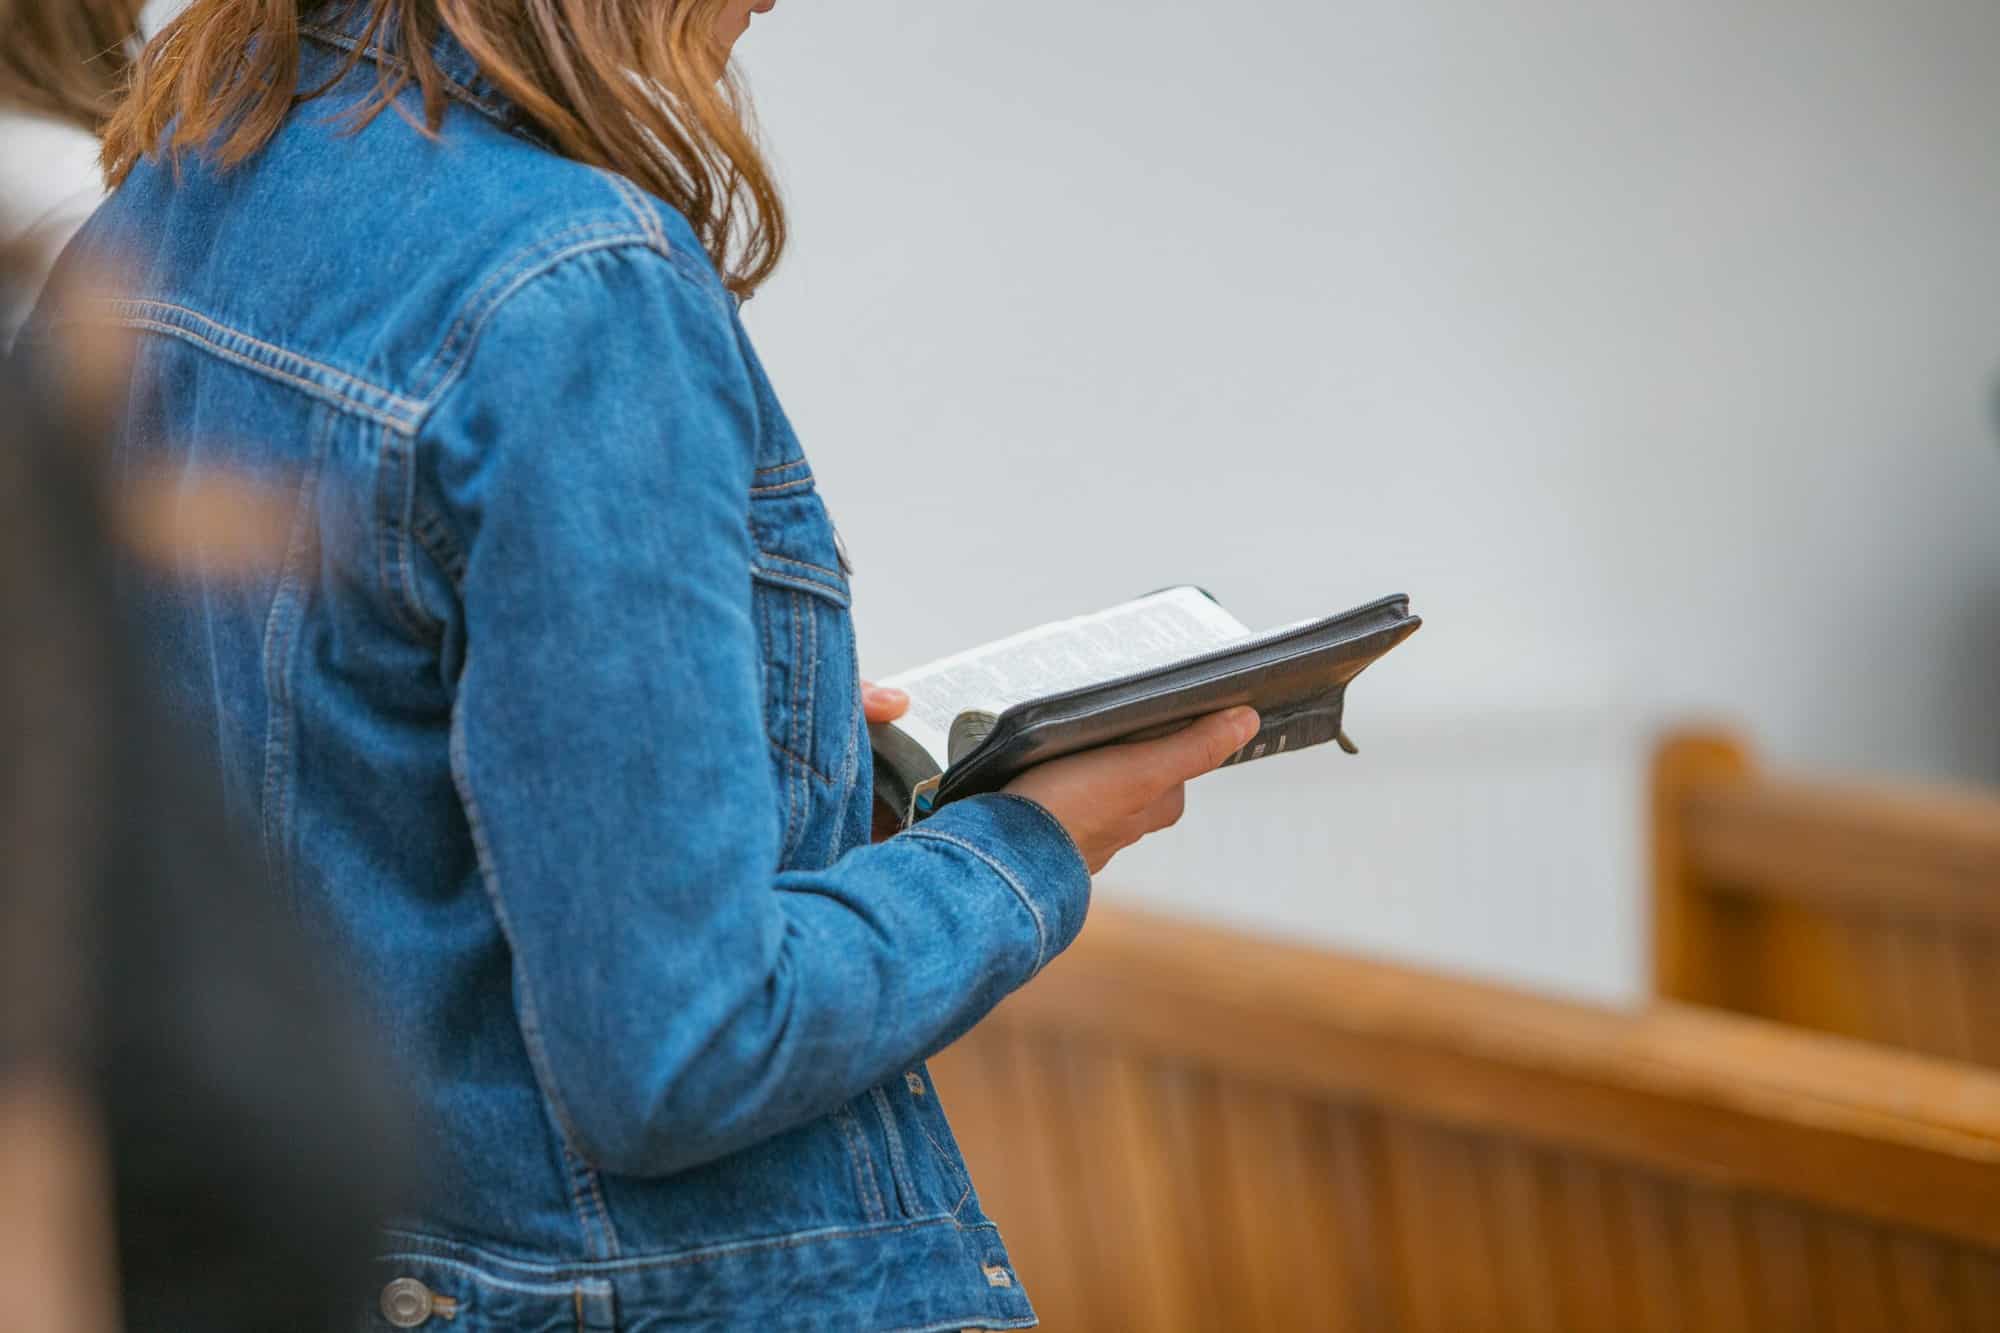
pixel 883 703
pixel 1205 743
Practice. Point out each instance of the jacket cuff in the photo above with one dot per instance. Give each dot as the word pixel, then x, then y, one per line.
pixel 1030 852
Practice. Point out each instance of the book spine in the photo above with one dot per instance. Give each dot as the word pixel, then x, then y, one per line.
pixel 1299 729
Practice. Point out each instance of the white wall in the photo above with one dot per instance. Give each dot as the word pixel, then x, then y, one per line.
pixel 1652 347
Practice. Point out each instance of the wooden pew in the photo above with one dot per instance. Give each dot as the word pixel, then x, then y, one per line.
pixel 1183 1128
pixel 1869 911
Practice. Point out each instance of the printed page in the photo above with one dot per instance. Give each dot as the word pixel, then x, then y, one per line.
pixel 1153 631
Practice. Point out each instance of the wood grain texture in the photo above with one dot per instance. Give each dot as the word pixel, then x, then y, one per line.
pixel 1280 1138
pixel 1528 1266
pixel 1881 1133
pixel 1867 911
pixel 1719 1266
pixel 1897 849
pixel 1858 1292
pixel 1685 931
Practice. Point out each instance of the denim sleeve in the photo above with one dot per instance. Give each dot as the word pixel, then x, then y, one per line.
pixel 681 997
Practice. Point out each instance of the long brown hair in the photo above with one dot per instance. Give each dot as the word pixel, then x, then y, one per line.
pixel 67 58
pixel 637 86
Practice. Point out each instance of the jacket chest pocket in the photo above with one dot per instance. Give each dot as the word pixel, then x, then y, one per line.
pixel 812 687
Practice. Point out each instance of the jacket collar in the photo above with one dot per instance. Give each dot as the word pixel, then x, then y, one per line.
pixel 345 25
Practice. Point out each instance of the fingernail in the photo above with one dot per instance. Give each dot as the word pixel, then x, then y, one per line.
pixel 1246 722
pixel 887 694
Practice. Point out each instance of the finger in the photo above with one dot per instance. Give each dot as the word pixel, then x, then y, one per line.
pixel 1202 745
pixel 881 703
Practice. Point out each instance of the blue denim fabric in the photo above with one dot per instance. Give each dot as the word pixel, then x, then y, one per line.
pixel 549 719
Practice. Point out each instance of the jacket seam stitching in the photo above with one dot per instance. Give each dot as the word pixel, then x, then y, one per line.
pixel 395 574
pixel 799 759
pixel 799 583
pixel 598 1290
pixel 899 1161
pixel 635 201
pixel 959 1171
pixel 810 722
pixel 472 312
pixel 588 1174
pixel 433 536
pixel 1041 927
pixel 140 307
pixel 281 715
pixel 767 645
pixel 1043 813
pixel 795 785
pixel 376 55
pixel 952 1162
pixel 617 184
pixel 640 1264
pixel 863 1163
pixel 530 1024
pixel 592 1179
pixel 521 279
pixel 313 388
pixel 796 616
pixel 802 564
pixel 856 716
pixel 595 1288
pixel 648 219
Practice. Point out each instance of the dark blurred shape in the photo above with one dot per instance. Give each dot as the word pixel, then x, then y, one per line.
pixel 68 59
pixel 249 1127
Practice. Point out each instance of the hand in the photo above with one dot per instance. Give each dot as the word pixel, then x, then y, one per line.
pixel 883 705
pixel 880 703
pixel 1110 798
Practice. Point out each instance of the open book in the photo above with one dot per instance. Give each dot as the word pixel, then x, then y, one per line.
pixel 979 718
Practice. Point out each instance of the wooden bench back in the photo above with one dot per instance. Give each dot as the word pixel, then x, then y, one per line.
pixel 1183 1128
pixel 1873 912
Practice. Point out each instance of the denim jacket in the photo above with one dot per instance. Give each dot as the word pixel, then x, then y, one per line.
pixel 548 719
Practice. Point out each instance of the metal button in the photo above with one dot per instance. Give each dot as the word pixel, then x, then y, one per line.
pixel 407 1302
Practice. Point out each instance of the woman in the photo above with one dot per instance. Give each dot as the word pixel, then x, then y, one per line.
pixel 551 716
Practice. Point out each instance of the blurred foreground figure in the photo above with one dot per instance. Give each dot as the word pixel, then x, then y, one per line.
pixel 63 65
pixel 191 1136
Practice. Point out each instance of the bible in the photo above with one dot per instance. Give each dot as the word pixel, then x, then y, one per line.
pixel 979 718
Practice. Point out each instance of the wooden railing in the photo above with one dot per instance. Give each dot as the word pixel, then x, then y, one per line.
pixel 1870 911
pixel 1185 1128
